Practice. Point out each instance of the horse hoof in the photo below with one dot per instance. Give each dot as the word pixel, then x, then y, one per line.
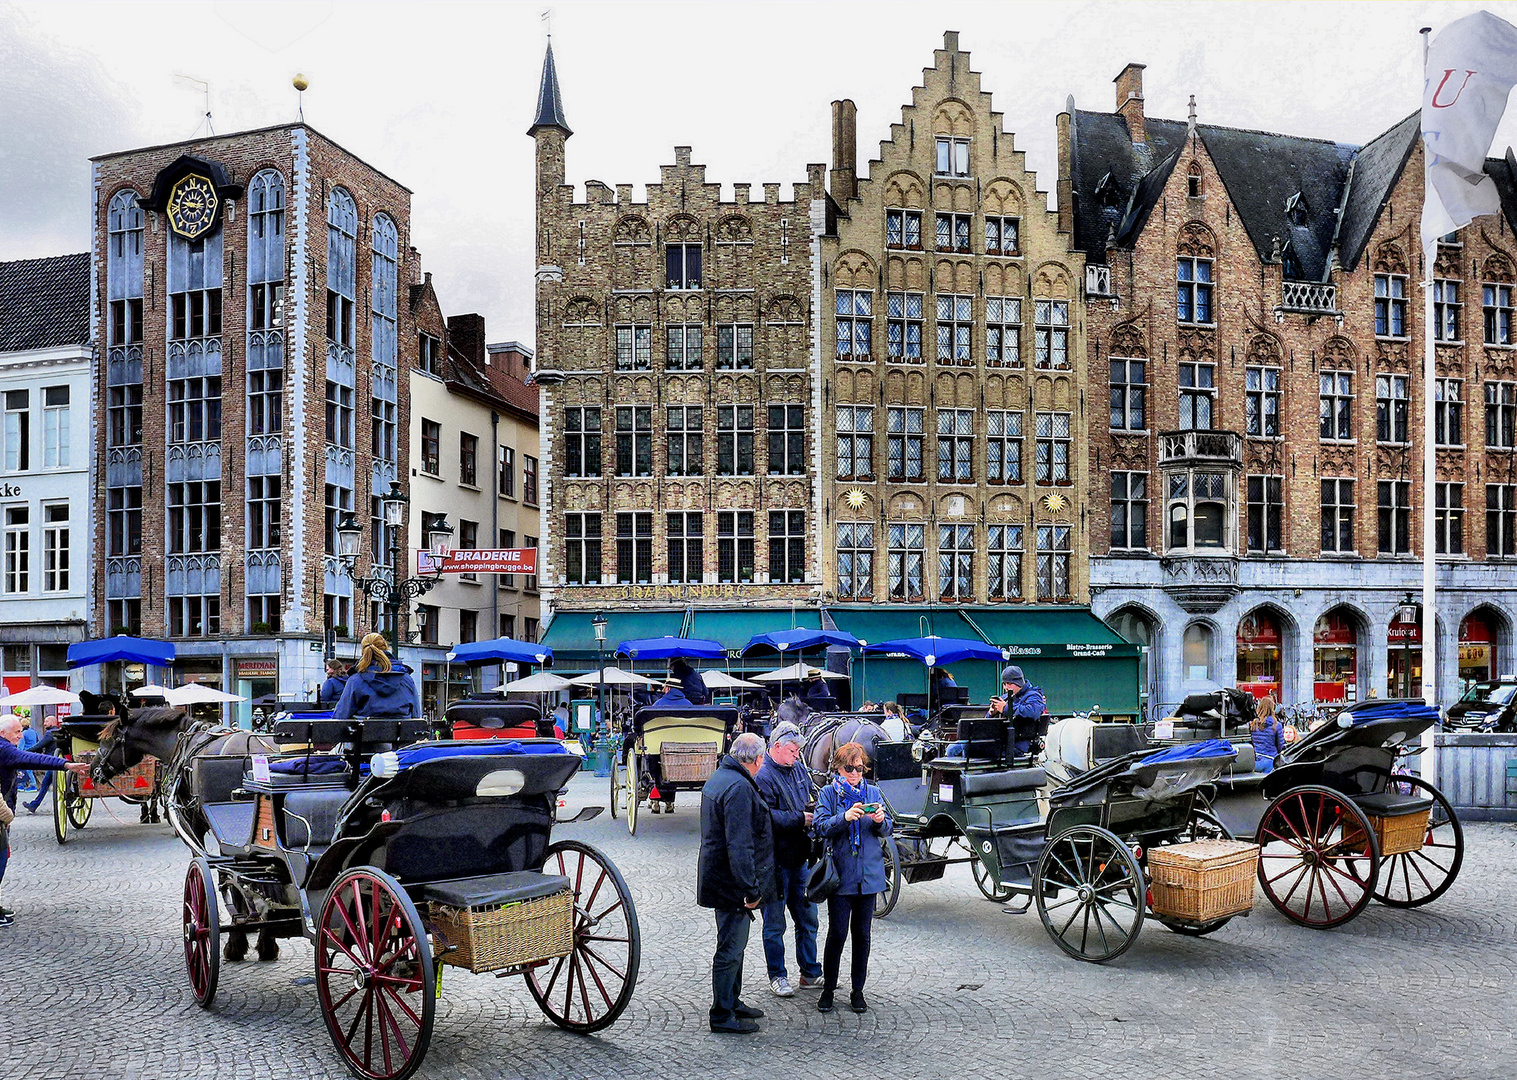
pixel 268 951
pixel 236 948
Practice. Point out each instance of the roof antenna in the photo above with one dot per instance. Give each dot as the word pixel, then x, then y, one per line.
pixel 300 82
pixel 547 21
pixel 205 88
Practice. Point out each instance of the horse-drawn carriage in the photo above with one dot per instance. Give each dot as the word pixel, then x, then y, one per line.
pixel 393 861
pixel 667 750
pixel 74 797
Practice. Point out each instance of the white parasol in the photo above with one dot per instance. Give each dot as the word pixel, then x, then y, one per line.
pixel 544 682
pixel 797 673
pixel 196 694
pixel 612 677
pixel 152 690
pixel 720 680
pixel 39 695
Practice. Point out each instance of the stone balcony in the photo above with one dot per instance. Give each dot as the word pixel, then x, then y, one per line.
pixel 1201 448
pixel 1309 298
pixel 1201 584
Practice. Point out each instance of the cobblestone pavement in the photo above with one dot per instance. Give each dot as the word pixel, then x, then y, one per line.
pixel 96 990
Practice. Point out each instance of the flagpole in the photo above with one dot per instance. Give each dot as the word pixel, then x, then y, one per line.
pixel 1429 763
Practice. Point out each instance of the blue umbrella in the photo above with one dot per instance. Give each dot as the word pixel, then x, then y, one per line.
pixel 500 649
pixel 803 638
pixel 667 648
pixel 934 650
pixel 132 650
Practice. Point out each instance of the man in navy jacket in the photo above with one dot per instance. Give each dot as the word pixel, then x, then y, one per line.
pixel 12 760
pixel 786 786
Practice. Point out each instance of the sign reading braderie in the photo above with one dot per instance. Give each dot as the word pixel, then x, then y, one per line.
pixel 479 561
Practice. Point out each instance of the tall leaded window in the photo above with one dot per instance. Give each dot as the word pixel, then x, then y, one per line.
pixel 1193 291
pixel 1002 236
pixel 787 440
pixel 906 550
pixel 1338 515
pixel 686 548
pixel 787 545
pixel 682 343
pixel 855 317
pixel 1335 404
pixel 1446 307
pixel 384 338
pixel 1500 415
pixel 855 550
pixel 581 442
pixel 634 348
pixel 123 521
pixel 686 441
pixel 1129 394
pixel 339 414
pixel 955 329
pixel 194 410
pixel 194 524
pixel 903 229
pixel 634 548
pixel 734 546
pixel 734 347
pixel 264 512
pixel 1051 334
pixel 1003 447
pixel 1198 391
pixel 266 252
pixel 855 448
pixel 953 231
pixel 1391 408
pixel 382 429
pixel 634 440
pixel 342 266
pixel 1004 554
pixel 734 440
pixel 194 287
pixel 1500 520
pixel 1448 519
pixel 1262 401
pixel 1053 440
pixel 956 562
pixel 1197 510
pixel 1053 562
pixel 1264 514
pixel 1497 302
pixel 265 401
pixel 582 549
pixel 124 415
pixel 1390 305
pixel 956 445
pixel 1003 331
pixel 903 327
pixel 904 435
pixel 1395 517
pixel 1448 412
pixel 1129 510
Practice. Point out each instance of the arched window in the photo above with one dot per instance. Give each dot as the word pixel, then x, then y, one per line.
pixel 1197 649
pixel 123 269
pixel 385 246
pixel 342 253
pixel 266 251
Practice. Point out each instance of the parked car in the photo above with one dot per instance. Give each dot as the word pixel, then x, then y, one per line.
pixel 1487 706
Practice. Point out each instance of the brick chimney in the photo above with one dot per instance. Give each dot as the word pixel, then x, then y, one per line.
pixel 466 333
pixel 845 151
pixel 1130 101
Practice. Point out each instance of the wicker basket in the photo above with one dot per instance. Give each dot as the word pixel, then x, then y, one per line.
pixel 1401 833
pixel 688 762
pixel 1203 880
pixel 506 935
pixel 136 782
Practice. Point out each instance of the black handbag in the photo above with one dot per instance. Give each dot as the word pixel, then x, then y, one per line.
pixel 823 879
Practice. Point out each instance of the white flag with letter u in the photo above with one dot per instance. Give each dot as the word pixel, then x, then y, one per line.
pixel 1471 68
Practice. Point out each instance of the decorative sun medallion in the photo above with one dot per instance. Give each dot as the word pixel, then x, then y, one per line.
pixel 856 498
pixel 1055 503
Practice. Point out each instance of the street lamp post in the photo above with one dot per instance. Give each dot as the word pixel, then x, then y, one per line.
pixel 1407 614
pixel 391 590
pixel 599 623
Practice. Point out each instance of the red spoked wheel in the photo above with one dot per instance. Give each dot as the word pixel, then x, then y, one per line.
pixel 374 975
pixel 588 989
pixel 1318 858
pixel 202 932
pixel 1414 878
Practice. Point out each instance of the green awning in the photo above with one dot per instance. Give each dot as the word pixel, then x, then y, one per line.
pixel 878 623
pixel 734 628
pixel 572 637
pixel 1054 633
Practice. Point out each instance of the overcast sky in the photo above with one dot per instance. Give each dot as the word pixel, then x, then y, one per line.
pixel 439 95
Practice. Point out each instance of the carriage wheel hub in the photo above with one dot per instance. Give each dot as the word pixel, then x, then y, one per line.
pixel 191 930
pixel 1085 893
pixel 362 977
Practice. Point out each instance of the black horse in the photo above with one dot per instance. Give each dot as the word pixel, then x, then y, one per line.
pixel 171 736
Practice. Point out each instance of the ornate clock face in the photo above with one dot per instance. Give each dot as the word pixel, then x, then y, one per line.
pixel 192 206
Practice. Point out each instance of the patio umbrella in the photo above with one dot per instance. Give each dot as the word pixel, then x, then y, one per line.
pixel 667 648
pixel 132 650
pixel 804 638
pixel 500 650
pixel 39 695
pixel 544 682
pixel 151 690
pixel 196 694
pixel 935 650
pixel 611 677
pixel 720 680
pixel 796 673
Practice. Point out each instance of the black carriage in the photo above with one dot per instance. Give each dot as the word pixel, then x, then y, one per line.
pixel 668 750
pixel 78 739
pixel 438 853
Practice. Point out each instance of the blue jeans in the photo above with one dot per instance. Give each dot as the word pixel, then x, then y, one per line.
pixel 792 886
pixel 727 965
pixel 47 782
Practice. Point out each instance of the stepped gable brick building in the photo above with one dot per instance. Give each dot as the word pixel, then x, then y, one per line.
pixel 1256 327
pixel 953 356
pixel 680 395
pixel 247 306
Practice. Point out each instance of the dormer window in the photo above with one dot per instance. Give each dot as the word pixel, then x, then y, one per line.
pixel 1107 190
pixel 953 156
pixel 1193 183
pixel 1296 210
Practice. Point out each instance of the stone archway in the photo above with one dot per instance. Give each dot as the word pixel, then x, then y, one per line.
pixel 1266 649
pixel 1141 627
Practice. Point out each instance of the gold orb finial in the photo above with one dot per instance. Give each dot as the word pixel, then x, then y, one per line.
pixel 300 82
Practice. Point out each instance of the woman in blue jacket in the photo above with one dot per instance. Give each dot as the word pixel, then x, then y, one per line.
pixel 379 688
pixel 1267 734
pixel 851 819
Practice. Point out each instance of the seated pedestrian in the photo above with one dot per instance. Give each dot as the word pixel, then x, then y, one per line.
pixel 851 819
pixel 12 760
pixel 734 875
pixel 785 784
pixel 1267 734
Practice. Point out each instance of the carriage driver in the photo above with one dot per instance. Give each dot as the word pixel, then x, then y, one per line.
pixel 1023 706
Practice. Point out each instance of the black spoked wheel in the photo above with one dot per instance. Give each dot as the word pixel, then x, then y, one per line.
pixel 589 988
pixel 634 789
pixel 202 932
pixel 374 975
pixel 1319 858
pixel 618 781
pixel 1090 893
pixel 1203 825
pixel 1414 878
pixel 884 903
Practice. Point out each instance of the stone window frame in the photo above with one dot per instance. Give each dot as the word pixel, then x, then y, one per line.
pixel 1264 498
pixel 685 546
pixel 1051 334
pixel 1003 224
pixel 735 546
pixel 1052 437
pixel 1392 410
pixel 905 218
pixel 855 560
pixel 1390 306
pixel 1004 434
pixel 1055 561
pixel 1448 311
pixel 1129 493
pixel 1335 405
pixel 634 439
pixel 955 329
pixel 583 537
pixel 1128 394
pixel 907 559
pixel 1500 521
pixel 1448 413
pixel 1262 389
pixel 899 324
pixel 1500 414
pixel 957 229
pixel 730 419
pixel 855 442
pixel 1005 549
pixel 787 546
pixel 1337 506
pixel 586 436
pixel 634 547
pixel 1195 393
pixel 956 547
pixel 1448 517
pixel 1003 331
pixel 1496 304
pixel 905 439
pixel 684 440
pixel 1394 517
pixel 951 156
pixel 854 316
pixel 1195 294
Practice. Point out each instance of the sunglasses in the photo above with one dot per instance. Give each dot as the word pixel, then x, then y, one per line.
pixel 851 768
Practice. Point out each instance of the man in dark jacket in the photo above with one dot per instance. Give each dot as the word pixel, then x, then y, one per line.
pixel 1023 705
pixel 735 875
pixel 786 787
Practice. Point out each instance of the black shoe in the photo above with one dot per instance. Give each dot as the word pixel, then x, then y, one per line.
pixel 746 1012
pixel 824 1003
pixel 6 920
pixel 31 807
pixel 857 1003
pixel 737 1027
pixel 6 912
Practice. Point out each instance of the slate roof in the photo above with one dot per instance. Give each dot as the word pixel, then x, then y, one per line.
pixel 44 303
pixel 550 103
pixel 499 388
pixel 1376 169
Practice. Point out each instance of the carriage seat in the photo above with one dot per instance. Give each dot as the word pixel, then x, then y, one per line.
pixel 310 817
pixel 215 777
pixel 1246 761
pixel 512 887
pixel 1393 804
pixel 983 785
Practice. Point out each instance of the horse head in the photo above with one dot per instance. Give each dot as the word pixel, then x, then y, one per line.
pixel 795 711
pixel 125 741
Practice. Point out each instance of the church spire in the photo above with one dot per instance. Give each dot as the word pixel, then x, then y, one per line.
pixel 550 104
